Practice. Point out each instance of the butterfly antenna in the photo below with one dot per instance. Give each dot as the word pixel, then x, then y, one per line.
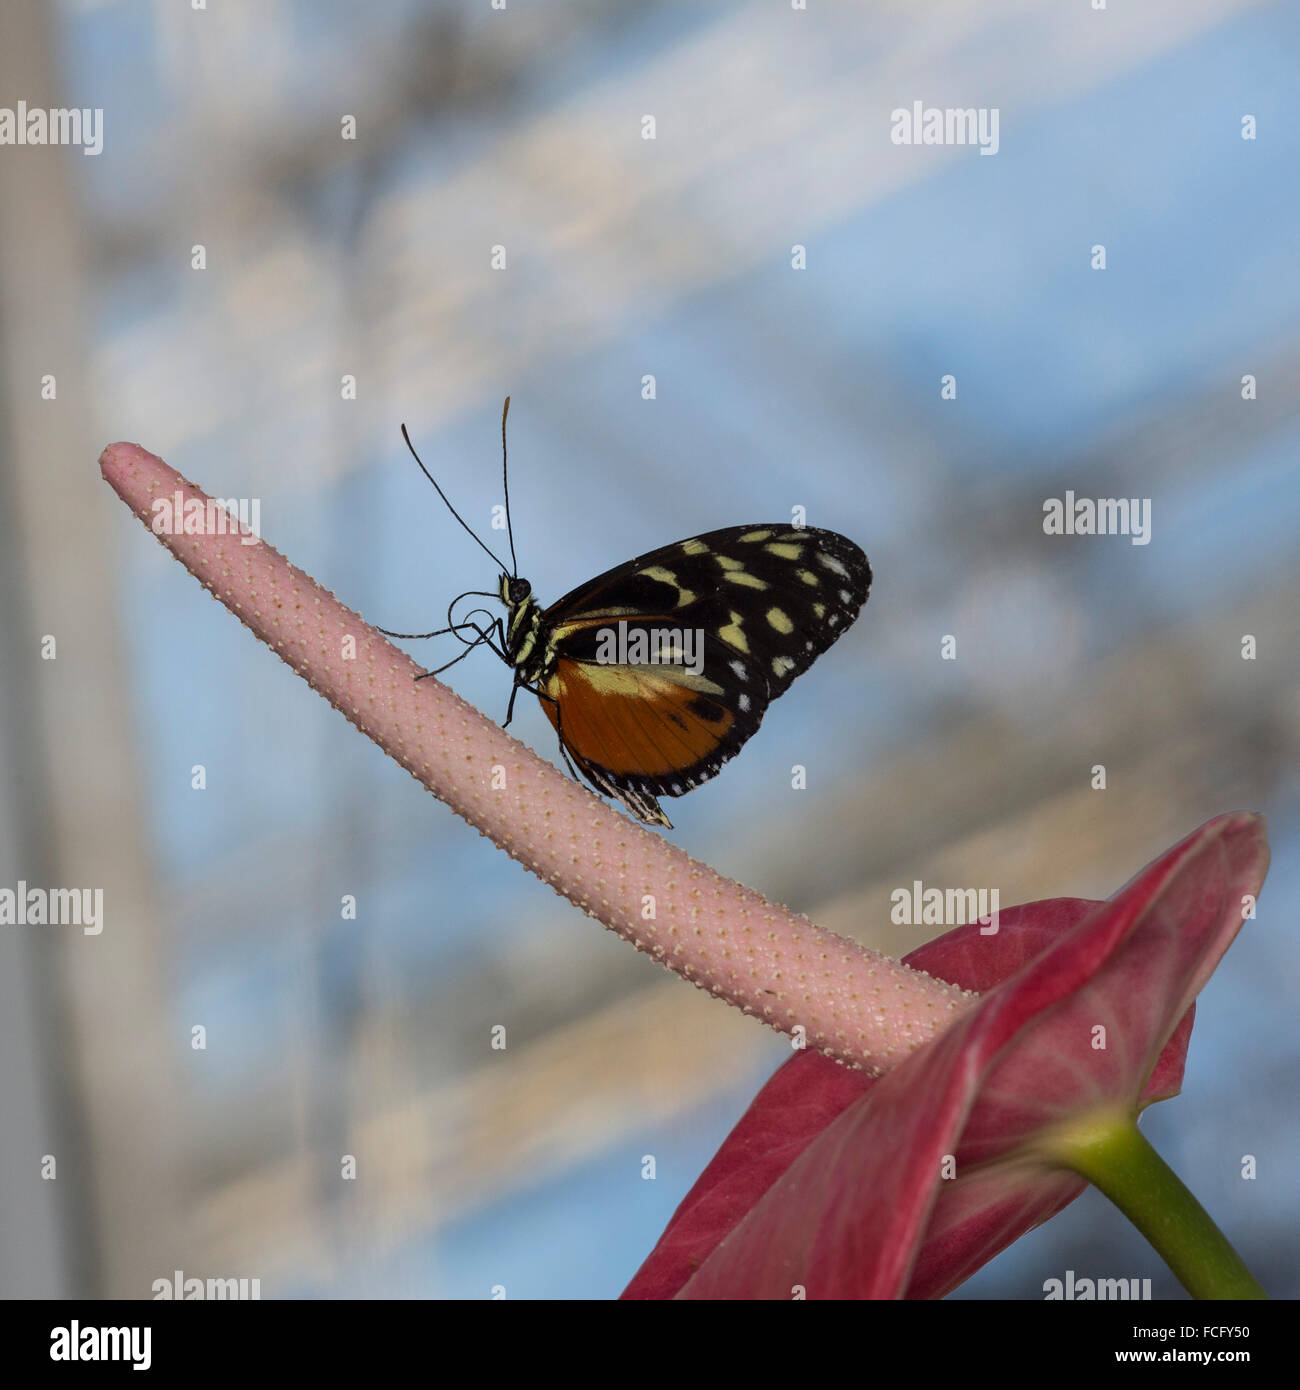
pixel 443 495
pixel 505 483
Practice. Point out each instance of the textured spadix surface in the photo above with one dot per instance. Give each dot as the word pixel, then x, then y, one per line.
pixel 863 1008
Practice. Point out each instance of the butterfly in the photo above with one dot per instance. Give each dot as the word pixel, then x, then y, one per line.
pixel 657 672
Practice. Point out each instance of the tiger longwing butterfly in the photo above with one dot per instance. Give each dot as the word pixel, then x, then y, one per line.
pixel 656 672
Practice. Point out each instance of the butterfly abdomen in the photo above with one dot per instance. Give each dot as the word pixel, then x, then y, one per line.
pixel 528 642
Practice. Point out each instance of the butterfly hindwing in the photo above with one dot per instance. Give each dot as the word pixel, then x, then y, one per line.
pixel 760 603
pixel 655 729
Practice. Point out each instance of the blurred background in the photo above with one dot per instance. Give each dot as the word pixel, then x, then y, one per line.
pixel 327 258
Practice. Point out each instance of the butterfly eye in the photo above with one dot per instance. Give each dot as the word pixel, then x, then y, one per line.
pixel 519 590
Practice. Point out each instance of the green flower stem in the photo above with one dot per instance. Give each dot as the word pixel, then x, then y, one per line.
pixel 1111 1152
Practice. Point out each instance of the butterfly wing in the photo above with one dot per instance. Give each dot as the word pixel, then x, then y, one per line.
pixel 754 605
pixel 640 730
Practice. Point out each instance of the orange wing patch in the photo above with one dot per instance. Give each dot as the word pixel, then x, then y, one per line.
pixel 636 722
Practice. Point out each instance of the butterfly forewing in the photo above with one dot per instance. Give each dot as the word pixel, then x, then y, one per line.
pixel 760 603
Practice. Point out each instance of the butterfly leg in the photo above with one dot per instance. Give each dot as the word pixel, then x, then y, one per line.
pixel 559 729
pixel 541 695
pixel 483 635
pixel 473 646
pixel 494 628
pixel 510 708
pixel 420 636
pixel 456 629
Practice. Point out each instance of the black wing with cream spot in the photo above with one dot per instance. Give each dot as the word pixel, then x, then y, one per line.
pixel 769 599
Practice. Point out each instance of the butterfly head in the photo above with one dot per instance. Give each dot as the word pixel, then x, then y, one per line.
pixel 523 627
pixel 513 591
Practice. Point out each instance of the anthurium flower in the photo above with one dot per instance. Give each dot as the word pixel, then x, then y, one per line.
pixel 846 1001
pixel 990 1112
pixel 838 1185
